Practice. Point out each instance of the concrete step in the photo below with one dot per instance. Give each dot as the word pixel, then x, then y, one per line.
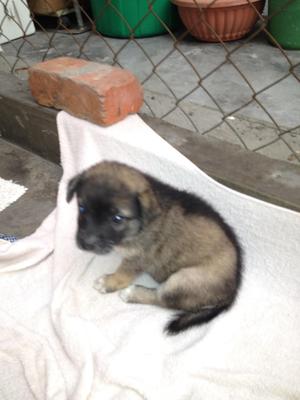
pixel 34 127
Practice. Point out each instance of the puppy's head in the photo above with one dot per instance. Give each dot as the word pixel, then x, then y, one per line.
pixel 115 203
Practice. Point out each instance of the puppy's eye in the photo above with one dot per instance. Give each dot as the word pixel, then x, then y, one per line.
pixel 82 209
pixel 118 219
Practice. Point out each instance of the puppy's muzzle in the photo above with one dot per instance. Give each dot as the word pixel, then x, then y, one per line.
pixel 93 243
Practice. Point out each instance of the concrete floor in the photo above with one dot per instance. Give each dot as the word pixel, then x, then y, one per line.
pixel 41 177
pixel 172 92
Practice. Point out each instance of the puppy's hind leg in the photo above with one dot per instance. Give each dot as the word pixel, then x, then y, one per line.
pixel 142 295
pixel 198 294
pixel 166 295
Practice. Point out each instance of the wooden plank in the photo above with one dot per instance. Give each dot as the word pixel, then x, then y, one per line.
pixel 26 123
pixel 271 180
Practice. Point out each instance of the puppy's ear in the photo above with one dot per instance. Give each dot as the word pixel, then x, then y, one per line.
pixel 149 205
pixel 73 186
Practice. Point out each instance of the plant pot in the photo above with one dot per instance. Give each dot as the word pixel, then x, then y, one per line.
pixel 230 19
pixel 285 25
pixel 117 18
pixel 46 7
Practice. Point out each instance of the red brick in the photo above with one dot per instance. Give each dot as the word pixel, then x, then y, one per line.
pixel 97 92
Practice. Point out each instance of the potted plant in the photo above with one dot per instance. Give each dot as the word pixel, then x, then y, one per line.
pixel 211 21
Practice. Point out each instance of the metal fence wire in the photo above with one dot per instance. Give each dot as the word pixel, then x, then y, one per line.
pixel 244 91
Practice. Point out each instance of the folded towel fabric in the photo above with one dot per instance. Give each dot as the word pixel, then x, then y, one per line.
pixel 60 339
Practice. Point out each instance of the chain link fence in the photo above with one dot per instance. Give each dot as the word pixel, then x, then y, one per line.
pixel 196 71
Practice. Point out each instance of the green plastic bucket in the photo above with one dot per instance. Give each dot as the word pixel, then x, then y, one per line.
pixel 123 18
pixel 285 25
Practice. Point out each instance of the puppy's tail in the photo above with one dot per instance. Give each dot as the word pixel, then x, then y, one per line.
pixel 183 321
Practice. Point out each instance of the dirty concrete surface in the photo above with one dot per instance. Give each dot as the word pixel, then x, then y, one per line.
pixel 40 177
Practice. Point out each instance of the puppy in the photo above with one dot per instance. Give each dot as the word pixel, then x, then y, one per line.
pixel 174 236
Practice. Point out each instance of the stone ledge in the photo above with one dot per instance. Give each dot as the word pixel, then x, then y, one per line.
pixel 34 127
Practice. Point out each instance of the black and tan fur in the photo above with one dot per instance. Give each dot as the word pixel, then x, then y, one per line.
pixel 170 234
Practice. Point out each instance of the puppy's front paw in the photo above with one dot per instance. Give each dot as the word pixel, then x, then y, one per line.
pixel 100 285
pixel 127 294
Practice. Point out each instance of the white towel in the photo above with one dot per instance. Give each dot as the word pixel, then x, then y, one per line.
pixel 60 339
pixel 9 193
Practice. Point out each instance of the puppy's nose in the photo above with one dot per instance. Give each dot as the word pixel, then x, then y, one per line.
pixel 86 238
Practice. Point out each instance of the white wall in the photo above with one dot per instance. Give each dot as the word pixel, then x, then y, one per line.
pixel 14 20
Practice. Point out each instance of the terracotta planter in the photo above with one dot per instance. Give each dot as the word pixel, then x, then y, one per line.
pixel 230 19
pixel 48 7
